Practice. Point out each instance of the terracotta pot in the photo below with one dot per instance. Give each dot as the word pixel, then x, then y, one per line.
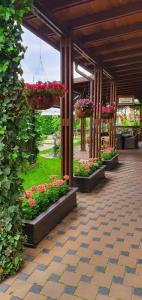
pixel 83 114
pixel 108 115
pixel 44 103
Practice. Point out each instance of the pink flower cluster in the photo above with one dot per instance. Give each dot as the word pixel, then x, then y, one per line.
pixel 42 188
pixel 108 109
pixel 84 104
pixel 108 150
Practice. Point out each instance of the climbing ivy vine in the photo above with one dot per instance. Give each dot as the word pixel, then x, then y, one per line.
pixel 12 111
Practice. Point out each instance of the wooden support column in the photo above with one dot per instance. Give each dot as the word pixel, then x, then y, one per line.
pixel 113 103
pixel 140 122
pixel 111 121
pixel 66 105
pixel 97 114
pixel 83 134
pixel 91 120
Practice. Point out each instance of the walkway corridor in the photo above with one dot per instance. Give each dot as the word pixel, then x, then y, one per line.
pixel 96 252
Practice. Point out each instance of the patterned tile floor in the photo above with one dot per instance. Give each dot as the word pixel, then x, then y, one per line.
pixel 96 252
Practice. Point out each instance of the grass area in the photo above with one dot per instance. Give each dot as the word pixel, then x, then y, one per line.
pixel 41 172
pixel 47 151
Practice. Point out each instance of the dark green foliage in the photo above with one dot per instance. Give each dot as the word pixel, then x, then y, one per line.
pixel 13 109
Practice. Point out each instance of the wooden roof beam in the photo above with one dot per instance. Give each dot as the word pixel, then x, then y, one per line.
pixel 111 33
pixel 129 69
pixel 118 46
pixel 122 55
pixel 105 16
pixel 57 5
pixel 127 74
pixel 127 62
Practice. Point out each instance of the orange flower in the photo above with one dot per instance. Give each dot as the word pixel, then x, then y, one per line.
pixel 53 177
pixel 28 194
pixel 66 177
pixel 32 202
pixel 58 182
pixel 49 185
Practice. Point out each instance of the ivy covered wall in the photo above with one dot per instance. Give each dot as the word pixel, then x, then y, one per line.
pixel 12 112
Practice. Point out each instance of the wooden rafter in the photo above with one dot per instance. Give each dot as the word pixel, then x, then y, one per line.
pixel 105 16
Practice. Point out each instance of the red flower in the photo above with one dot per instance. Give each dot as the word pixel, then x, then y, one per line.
pixel 28 194
pixel 32 202
pixel 49 185
pixel 66 177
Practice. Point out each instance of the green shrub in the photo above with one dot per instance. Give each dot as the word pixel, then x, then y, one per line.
pixel 12 109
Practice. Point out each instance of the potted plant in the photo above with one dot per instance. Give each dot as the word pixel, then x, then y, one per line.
pixel 43 95
pixel 87 174
pixel 108 112
pixel 44 206
pixel 83 108
pixel 109 158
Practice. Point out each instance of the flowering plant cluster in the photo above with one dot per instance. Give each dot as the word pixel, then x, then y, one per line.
pixel 40 89
pixel 108 109
pixel 87 167
pixel 108 153
pixel 84 104
pixel 40 197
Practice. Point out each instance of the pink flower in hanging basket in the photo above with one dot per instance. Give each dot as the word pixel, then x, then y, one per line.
pixel 84 104
pixel 108 109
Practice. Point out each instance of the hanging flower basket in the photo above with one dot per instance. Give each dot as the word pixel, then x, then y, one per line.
pixel 42 96
pixel 83 108
pixel 108 112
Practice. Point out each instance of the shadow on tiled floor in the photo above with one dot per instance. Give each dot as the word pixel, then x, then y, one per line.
pixel 96 252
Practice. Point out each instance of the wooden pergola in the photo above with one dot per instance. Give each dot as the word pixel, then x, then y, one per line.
pixel 104 37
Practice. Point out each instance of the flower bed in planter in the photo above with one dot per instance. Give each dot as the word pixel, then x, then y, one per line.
pixel 110 158
pixel 44 206
pixel 88 174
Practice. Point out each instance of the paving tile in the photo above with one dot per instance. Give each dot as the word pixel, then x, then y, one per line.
pixel 121 291
pixel 86 291
pixel 15 298
pixel 36 288
pixel 52 289
pixel 69 290
pixel 33 296
pixel 3 287
pixel 70 278
pixel 103 291
pixel 69 297
pixel 19 288
pixel 23 276
pixel 41 267
pixel 54 277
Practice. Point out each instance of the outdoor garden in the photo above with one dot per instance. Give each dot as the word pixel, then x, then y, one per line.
pixel 34 193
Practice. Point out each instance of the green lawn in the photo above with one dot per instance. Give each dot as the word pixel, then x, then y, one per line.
pixel 41 172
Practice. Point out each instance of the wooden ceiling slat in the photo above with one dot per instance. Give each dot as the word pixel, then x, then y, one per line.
pixel 128 69
pixel 111 48
pixel 127 62
pixel 105 16
pixel 122 55
pixel 56 5
pixel 112 33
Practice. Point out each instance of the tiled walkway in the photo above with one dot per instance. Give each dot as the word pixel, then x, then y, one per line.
pixel 96 252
